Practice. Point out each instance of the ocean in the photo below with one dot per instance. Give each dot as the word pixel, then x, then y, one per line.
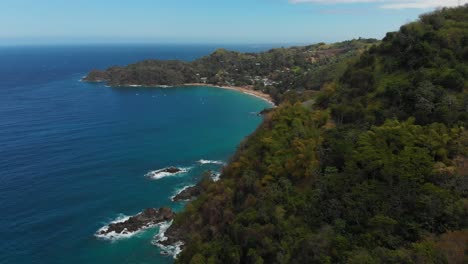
pixel 74 155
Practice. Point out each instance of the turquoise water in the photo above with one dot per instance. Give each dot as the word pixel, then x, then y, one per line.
pixel 73 155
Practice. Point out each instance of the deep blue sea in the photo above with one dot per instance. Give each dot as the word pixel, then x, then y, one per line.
pixel 73 155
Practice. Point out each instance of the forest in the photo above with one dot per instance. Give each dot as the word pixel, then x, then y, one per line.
pixel 274 72
pixel 372 168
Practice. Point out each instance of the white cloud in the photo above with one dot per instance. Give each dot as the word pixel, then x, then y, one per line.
pixel 391 4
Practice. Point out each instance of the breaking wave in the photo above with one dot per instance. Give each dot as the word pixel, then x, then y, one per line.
pixel 171 250
pixel 161 173
pixel 202 161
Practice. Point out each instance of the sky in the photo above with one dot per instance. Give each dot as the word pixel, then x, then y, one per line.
pixel 205 21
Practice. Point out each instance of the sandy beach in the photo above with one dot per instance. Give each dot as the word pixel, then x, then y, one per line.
pixel 244 89
pixel 247 90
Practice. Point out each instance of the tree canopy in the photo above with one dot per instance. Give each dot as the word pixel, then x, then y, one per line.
pixel 371 169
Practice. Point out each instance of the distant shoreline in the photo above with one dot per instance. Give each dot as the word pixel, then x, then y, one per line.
pixel 246 90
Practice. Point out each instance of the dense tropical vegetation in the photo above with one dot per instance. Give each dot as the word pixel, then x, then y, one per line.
pixel 372 169
pixel 274 72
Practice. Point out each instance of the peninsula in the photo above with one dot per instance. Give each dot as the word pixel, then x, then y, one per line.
pixel 268 75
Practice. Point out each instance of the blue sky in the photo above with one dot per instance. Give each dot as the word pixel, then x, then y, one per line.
pixel 205 21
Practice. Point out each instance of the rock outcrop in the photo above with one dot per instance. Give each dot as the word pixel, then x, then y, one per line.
pixel 188 193
pixel 171 170
pixel 173 235
pixel 148 217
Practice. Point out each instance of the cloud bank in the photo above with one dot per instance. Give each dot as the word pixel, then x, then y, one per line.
pixel 391 4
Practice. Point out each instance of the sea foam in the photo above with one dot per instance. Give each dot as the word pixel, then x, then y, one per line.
pixel 202 161
pixel 172 250
pixel 216 176
pixel 113 235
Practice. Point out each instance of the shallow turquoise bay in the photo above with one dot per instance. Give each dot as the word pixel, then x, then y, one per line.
pixel 74 157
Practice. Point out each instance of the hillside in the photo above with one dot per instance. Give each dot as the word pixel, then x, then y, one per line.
pixel 372 170
pixel 419 71
pixel 274 72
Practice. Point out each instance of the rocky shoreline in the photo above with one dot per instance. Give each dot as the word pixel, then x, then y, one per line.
pixel 149 217
pixel 188 193
pixel 171 238
pixel 174 236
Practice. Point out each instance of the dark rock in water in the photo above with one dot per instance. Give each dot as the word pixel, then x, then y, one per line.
pixel 144 219
pixel 173 235
pixel 265 111
pixel 170 170
pixel 188 193
pixel 194 191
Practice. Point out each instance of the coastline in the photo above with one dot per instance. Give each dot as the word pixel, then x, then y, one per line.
pixel 245 90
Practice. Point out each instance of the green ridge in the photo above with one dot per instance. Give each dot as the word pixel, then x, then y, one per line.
pixel 372 169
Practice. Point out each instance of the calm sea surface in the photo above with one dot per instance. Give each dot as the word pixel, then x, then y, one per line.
pixel 73 155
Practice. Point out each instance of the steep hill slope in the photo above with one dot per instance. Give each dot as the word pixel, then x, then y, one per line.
pixel 420 71
pixel 373 170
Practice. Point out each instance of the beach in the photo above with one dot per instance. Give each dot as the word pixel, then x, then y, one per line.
pixel 245 89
